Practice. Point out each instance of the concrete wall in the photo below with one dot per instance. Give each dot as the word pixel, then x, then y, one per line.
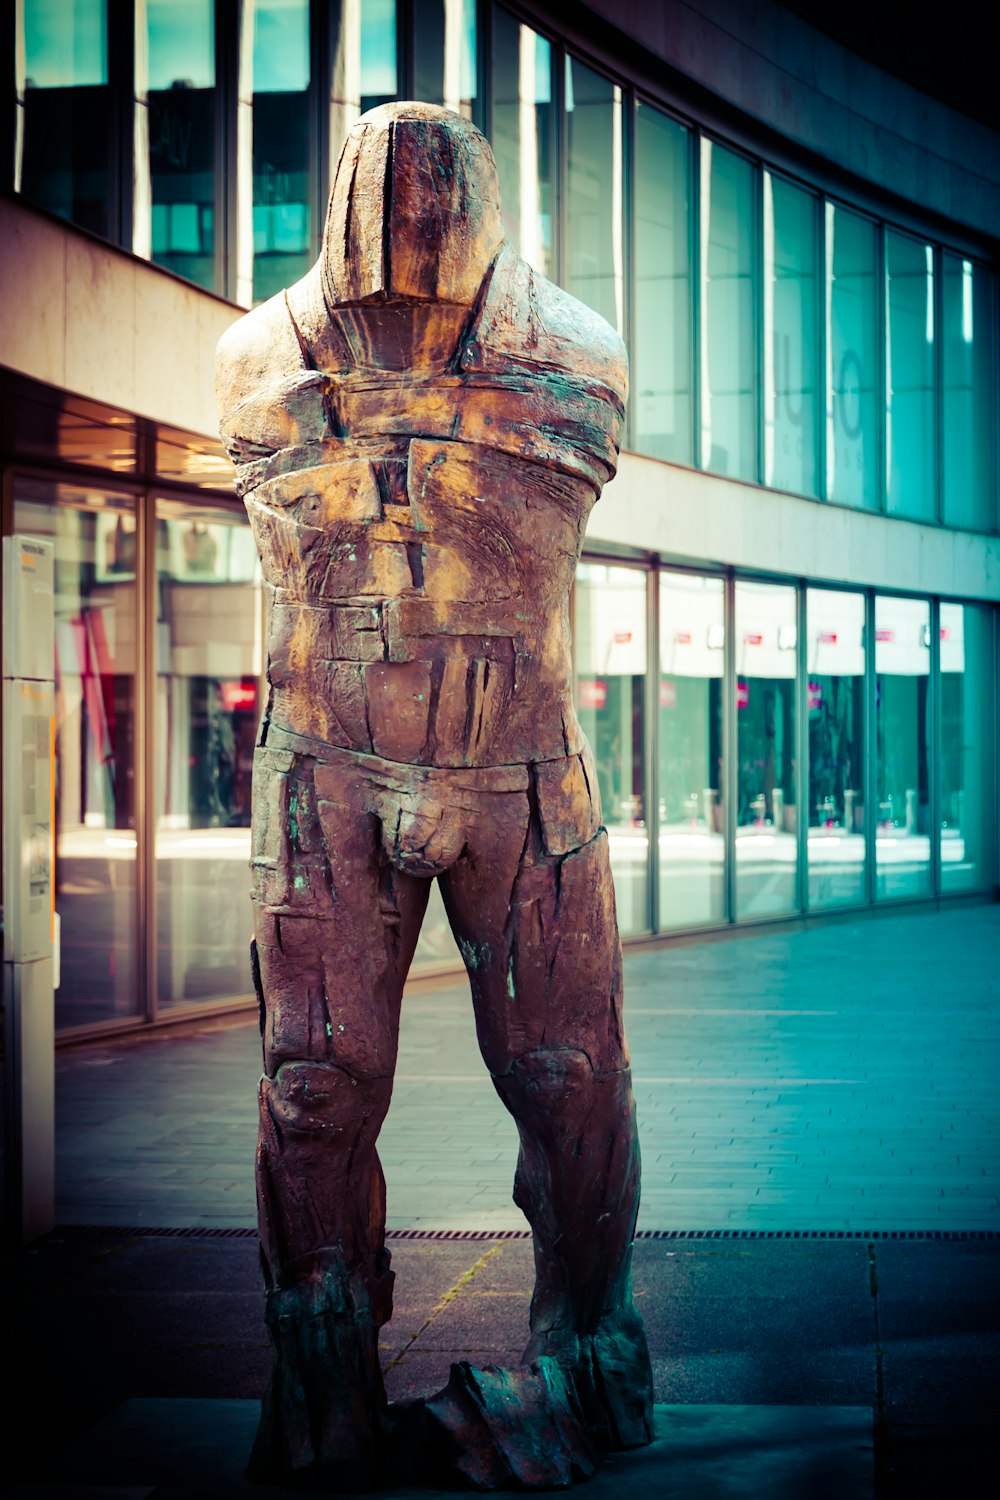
pixel 689 516
pixel 779 70
pixel 90 319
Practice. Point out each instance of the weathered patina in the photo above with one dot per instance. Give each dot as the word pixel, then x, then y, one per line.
pixel 421 427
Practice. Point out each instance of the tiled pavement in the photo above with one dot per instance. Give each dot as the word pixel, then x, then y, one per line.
pixel 846 1077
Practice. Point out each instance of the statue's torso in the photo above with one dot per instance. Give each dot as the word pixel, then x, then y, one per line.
pixel 419 528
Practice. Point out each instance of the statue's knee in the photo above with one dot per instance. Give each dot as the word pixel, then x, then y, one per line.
pixel 549 1083
pixel 315 1097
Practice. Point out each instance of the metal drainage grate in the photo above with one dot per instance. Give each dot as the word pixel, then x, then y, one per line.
pixel 116 1231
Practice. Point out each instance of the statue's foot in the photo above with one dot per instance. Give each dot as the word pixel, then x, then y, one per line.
pixel 321 1417
pixel 611 1375
pixel 502 1429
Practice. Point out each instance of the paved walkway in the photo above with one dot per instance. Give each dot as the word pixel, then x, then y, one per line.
pixel 840 1078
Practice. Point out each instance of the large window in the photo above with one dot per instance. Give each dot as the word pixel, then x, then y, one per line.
pixel 902 667
pixel 444 40
pixel 63 154
pixel 523 127
pixel 835 687
pixel 610 637
pixel 791 383
pixel 968 746
pixel 95 536
pixel 595 252
pixel 692 889
pixel 969 350
pixel 911 479
pixel 209 633
pixel 766 836
pixel 728 333
pixel 852 360
pixel 282 245
pixel 661 398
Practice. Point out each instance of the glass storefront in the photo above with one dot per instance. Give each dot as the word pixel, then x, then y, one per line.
pixel 902 730
pixel 728 332
pixel 791 364
pixel 766 642
pixel 852 359
pixel 209 646
pixel 692 883
pixel 835 698
pixel 609 633
pixel 911 478
pixel 967 797
pixel 94 533
pixel 969 380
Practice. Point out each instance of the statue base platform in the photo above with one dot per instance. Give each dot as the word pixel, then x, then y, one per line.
pixel 186 1449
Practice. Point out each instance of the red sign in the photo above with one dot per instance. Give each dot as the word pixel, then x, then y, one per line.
pixel 682 637
pixel 742 695
pixel 591 692
pixel 238 697
pixel 885 635
pixel 827 638
pixel 944 632
pixel 754 640
pixel 622 637
pixel 668 693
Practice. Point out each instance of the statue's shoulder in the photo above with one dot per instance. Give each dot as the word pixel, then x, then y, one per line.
pixel 528 320
pixel 257 349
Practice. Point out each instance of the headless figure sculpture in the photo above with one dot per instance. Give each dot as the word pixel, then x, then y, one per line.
pixel 421 426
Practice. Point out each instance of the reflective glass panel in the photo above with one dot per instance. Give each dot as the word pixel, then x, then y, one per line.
pixel 728 345
pixel 377 50
pixel 969 393
pixel 835 663
pixel 281 210
pixel 94 534
pixel 610 635
pixel 662 364
pixel 852 360
pixel 594 245
pixel 65 138
pixel 766 845
pixel 175 76
pixel 902 668
pixel 909 378
pixel 523 137
pixel 209 662
pixel 444 45
pixel 692 831
pixel 790 329
pixel 968 768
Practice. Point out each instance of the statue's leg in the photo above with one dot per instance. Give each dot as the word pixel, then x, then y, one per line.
pixel 336 927
pixel 544 957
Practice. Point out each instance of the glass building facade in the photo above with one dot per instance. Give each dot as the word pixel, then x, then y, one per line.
pixel 771 742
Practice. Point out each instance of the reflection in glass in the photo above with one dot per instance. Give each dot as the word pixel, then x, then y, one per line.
pixel 175 147
pixel 523 137
pixel 728 347
pixel 835 663
pixel 610 635
pixel 661 396
pixel 909 377
pixel 692 833
pixel 206 708
pixel 790 359
pixel 969 393
pixel 852 359
pixel 281 210
pixel 594 248
pixel 766 848
pixel 902 668
pixel 444 44
pixel 94 534
pixel 968 688
pixel 377 51
pixel 64 103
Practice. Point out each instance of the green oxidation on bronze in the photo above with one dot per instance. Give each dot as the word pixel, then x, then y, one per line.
pixel 421 427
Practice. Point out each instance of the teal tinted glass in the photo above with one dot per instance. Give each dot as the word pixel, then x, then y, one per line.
pixel 969 393
pixel 594 243
pixel 662 366
pixel 909 378
pixel 835 664
pixel 791 364
pixel 728 344
pixel 444 54
pixel 968 765
pixel 523 127
pixel 852 360
pixel 902 729
pixel 376 54
pixel 281 196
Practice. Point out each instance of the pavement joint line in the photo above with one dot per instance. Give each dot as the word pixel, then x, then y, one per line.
pixel 448 1297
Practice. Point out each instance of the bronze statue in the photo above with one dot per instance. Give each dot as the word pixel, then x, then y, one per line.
pixel 421 426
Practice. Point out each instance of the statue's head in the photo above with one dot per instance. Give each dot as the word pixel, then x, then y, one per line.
pixel 415 209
